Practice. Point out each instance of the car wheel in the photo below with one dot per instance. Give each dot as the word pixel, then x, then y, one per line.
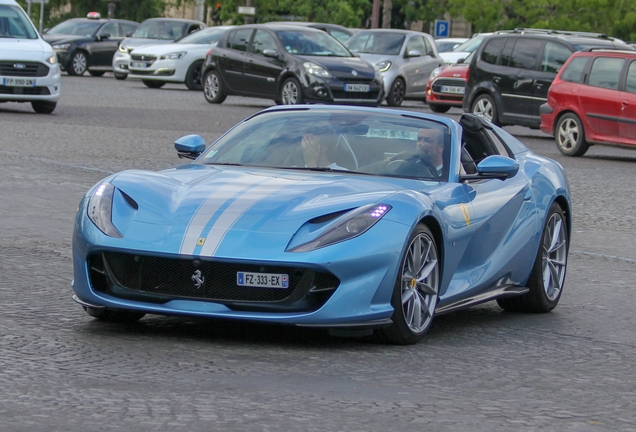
pixel 396 93
pixel 96 73
pixel 484 106
pixel 548 273
pixel 416 290
pixel 570 136
pixel 439 108
pixel 119 76
pixel 43 107
pixel 79 63
pixel 193 77
pixel 290 92
pixel 213 88
pixel 114 316
pixel 153 84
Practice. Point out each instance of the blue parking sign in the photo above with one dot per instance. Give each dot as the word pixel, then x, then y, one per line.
pixel 442 28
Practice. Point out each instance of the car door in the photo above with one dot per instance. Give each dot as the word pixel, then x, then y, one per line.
pixel 555 54
pixel 232 60
pixel 262 72
pixel 418 68
pixel 106 43
pixel 600 99
pixel 627 121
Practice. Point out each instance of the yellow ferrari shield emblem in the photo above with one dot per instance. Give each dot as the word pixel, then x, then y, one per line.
pixel 201 241
pixel 465 212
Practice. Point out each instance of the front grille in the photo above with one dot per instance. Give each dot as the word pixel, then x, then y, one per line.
pixel 159 279
pixel 356 80
pixel 141 72
pixel 148 58
pixel 31 91
pixel 457 82
pixel 340 94
pixel 30 69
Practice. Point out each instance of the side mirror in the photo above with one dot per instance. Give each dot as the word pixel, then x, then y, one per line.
pixel 189 146
pixel 271 53
pixel 497 167
pixel 414 53
pixel 461 61
pixel 103 36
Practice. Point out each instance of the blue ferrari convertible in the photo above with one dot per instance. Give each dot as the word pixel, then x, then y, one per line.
pixel 356 220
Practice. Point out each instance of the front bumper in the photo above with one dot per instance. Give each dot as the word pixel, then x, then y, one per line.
pixel 162 70
pixel 46 88
pixel 333 90
pixel 436 92
pixel 121 62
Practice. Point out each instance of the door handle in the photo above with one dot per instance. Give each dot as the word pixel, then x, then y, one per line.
pixel 625 103
pixel 496 79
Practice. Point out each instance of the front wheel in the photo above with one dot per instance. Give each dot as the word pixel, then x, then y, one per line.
pixel 153 84
pixel 548 273
pixel 193 76
pixel 396 93
pixel 416 290
pixel 570 136
pixel 96 73
pixel 213 88
pixel 290 92
pixel 484 106
pixel 439 108
pixel 120 76
pixel 79 64
pixel 43 107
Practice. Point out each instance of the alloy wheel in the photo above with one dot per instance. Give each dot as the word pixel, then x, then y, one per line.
pixel 483 107
pixel 568 134
pixel 79 63
pixel 212 86
pixel 290 93
pixel 554 256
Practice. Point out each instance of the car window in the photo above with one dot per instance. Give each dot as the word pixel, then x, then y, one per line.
pixel 573 72
pixel 128 28
pixel 312 43
pixel 470 45
pixel 340 35
pixel 111 29
pixel 263 41
pixel 207 36
pixel 491 51
pixel 630 83
pixel 416 43
pixel 194 28
pixel 606 72
pixel 157 29
pixel 76 28
pixel 524 54
pixel 376 43
pixel 15 24
pixel 554 57
pixel 239 39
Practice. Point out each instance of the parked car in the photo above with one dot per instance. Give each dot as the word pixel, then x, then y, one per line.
pixel 176 62
pixel 29 71
pixel 242 234
pixel 290 65
pixel 591 101
pixel 339 32
pixel 446 86
pixel 463 50
pixel 405 58
pixel 510 73
pixel 152 31
pixel 88 44
pixel 448 44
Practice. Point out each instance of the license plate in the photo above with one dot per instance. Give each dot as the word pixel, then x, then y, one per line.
pixel 18 82
pixel 453 89
pixel 262 280
pixel 139 65
pixel 357 87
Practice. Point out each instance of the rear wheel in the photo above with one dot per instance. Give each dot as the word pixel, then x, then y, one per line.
pixel 396 93
pixel 193 77
pixel 416 290
pixel 290 92
pixel 213 88
pixel 570 136
pixel 114 316
pixel 153 84
pixel 96 73
pixel 439 108
pixel 79 63
pixel 484 106
pixel 43 107
pixel 120 76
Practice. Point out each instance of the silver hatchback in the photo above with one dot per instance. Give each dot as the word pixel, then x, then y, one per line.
pixel 405 58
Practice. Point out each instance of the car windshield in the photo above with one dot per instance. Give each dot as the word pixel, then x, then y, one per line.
pixel 376 43
pixel 470 45
pixel 328 140
pixel 15 24
pixel 312 43
pixel 206 36
pixel 443 46
pixel 76 28
pixel 158 29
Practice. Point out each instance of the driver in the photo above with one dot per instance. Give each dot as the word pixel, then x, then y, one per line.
pixel 430 143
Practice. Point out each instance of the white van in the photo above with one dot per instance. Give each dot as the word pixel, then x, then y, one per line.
pixel 28 66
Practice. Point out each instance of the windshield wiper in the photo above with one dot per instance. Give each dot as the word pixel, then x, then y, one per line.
pixel 224 163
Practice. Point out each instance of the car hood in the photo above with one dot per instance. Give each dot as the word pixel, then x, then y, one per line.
pixel 61 38
pixel 164 48
pixel 452 56
pixel 343 66
pixel 233 208
pixel 25 50
pixel 455 71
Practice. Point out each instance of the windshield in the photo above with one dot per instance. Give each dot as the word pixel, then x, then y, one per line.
pixel 443 46
pixel 334 140
pixel 471 44
pixel 15 24
pixel 158 29
pixel 206 36
pixel 312 43
pixel 76 28
pixel 376 43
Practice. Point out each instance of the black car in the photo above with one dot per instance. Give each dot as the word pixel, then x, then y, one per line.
pixel 339 32
pixel 89 43
pixel 290 65
pixel 510 73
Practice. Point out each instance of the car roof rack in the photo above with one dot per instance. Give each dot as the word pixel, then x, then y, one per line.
pixel 610 49
pixel 563 32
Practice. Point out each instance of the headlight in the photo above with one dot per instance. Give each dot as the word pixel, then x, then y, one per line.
pixel 435 72
pixel 100 210
pixel 351 225
pixel 61 47
pixel 317 70
pixel 383 66
pixel 122 48
pixel 173 55
pixel 52 59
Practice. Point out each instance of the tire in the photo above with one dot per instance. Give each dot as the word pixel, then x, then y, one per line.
pixel 548 272
pixel 396 93
pixel 153 84
pixel 213 88
pixel 96 73
pixel 484 106
pixel 439 108
pixel 570 136
pixel 78 64
pixel 290 92
pixel 114 316
pixel 119 76
pixel 412 298
pixel 43 107
pixel 193 77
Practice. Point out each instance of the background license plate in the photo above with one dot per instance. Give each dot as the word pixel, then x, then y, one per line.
pixel 452 89
pixel 17 82
pixel 357 87
pixel 139 64
pixel 262 280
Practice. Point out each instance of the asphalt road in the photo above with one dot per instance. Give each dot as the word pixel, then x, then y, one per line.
pixel 481 369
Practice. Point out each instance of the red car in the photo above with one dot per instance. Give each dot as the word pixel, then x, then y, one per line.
pixel 446 87
pixel 592 100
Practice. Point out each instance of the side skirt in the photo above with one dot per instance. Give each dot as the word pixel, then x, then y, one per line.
pixel 504 291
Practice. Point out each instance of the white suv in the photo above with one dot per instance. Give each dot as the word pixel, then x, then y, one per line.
pixel 28 66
